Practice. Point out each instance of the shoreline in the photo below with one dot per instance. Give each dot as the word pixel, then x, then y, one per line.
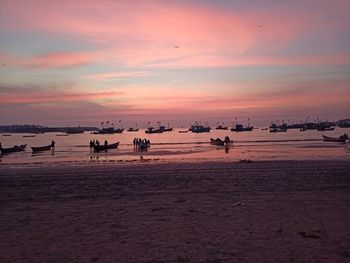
pixel 264 211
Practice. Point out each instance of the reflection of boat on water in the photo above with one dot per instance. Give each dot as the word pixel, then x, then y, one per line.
pixel 16 148
pixel 43 148
pixel 241 128
pixel 105 147
pixel 341 138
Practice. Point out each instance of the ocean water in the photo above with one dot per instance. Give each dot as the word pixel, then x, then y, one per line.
pixel 174 146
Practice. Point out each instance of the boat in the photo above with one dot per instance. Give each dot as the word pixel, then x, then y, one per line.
pixel 44 148
pixel 16 148
pixel 74 131
pixel 278 129
pixel 132 130
pixel 264 129
pixel 6 135
pixel 118 130
pixel 341 138
pixel 220 127
pixel 105 147
pixel 326 129
pixel 241 128
pixel 62 134
pixel 199 129
pixel 185 131
pixel 217 141
pixel 220 142
pixel 153 130
pixel 165 129
pixel 28 136
pixel 302 129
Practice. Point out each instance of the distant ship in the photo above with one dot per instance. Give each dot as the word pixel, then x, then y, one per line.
pixel 241 128
pixel 198 128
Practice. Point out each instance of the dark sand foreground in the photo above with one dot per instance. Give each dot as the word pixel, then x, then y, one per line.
pixel 210 212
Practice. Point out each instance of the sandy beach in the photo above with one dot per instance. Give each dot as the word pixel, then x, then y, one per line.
pixel 277 211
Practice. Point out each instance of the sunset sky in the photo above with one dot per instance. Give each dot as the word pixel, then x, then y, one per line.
pixel 83 62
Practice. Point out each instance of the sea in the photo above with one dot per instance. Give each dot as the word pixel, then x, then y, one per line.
pixel 256 145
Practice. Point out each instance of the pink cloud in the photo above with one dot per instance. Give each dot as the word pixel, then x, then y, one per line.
pixel 57 60
pixel 116 75
pixel 148 33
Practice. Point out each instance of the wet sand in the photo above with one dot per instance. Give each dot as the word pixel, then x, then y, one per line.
pixel 278 211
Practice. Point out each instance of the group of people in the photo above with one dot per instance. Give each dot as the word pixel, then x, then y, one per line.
pixel 94 143
pixel 141 144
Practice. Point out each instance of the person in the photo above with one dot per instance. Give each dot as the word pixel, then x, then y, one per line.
pixel 52 144
pixel 106 142
pixel 97 143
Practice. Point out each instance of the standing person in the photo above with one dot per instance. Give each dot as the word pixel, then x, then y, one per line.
pixel 106 142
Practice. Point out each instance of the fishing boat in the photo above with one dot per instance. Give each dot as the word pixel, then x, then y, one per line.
pixel 118 130
pixel 341 138
pixel 197 128
pixel 105 147
pixel 220 127
pixel 326 129
pixel 132 129
pixel 278 129
pixel 164 129
pixel 16 148
pixel 44 148
pixel 153 130
pixel 241 128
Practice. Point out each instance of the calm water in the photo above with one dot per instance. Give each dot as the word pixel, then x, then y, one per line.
pixel 255 145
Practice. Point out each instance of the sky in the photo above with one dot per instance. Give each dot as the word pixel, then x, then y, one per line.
pixel 82 62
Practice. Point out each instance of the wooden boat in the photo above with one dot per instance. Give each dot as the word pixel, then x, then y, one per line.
pixel 153 130
pixel 16 148
pixel 278 129
pixel 199 129
pixel 220 127
pixel 241 128
pixel 103 147
pixel 118 130
pixel 183 131
pixel 62 134
pixel 326 129
pixel 28 136
pixel 217 141
pixel 43 148
pixel 6 135
pixel 341 138
pixel 132 130
pixel 220 142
